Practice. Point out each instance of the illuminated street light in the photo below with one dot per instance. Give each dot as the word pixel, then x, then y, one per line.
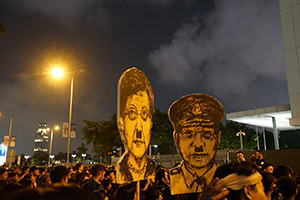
pixel 9 135
pixel 58 73
pixel 26 157
pixel 150 147
pixel 83 155
pixel 51 140
pixel 73 156
pixel 51 156
pixel 240 133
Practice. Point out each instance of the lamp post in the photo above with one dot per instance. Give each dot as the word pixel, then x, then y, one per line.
pixel 70 120
pixel 51 156
pixel 155 146
pixel 240 133
pixel 26 160
pixel 73 156
pixel 58 73
pixel 9 135
pixel 83 155
pixel 51 140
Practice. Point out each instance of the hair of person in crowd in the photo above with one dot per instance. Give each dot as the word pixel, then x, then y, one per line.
pixel 106 184
pixel 283 170
pixel 126 192
pixel 100 194
pixel 3 173
pixel 10 188
pixel 13 176
pixel 77 167
pixel 268 181
pixel 166 194
pixel 153 193
pixel 44 180
pixel 241 180
pixel 80 178
pixel 96 169
pixel 268 167
pixel 59 174
pixel 54 192
pixel 287 186
pixel 33 168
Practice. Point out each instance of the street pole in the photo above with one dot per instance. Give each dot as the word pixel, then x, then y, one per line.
pixel 83 155
pixel 70 119
pixel 9 137
pixel 150 150
pixel 241 140
pixel 50 150
pixel 240 133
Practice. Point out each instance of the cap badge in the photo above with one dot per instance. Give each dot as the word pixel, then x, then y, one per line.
pixel 196 110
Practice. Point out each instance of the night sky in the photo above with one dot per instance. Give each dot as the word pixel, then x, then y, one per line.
pixel 229 49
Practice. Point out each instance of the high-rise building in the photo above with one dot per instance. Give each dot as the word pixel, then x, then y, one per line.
pixel 42 138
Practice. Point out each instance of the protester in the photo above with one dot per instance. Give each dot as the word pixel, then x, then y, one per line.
pixel 240 156
pixel 59 175
pixel 242 180
pixel 34 172
pixel 268 167
pixel 268 181
pixel 98 172
pixel 259 159
pixel 287 186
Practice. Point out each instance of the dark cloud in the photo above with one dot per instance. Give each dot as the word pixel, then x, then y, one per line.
pixel 240 43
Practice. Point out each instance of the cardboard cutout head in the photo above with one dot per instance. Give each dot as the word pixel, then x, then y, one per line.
pixel 135 110
pixel 196 119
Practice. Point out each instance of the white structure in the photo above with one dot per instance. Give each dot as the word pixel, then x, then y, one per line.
pixel 290 25
pixel 285 117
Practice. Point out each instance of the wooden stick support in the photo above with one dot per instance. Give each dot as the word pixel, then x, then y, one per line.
pixel 138 190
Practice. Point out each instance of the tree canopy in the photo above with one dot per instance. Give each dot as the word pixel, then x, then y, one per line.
pixel 162 133
pixel 104 135
pixel 229 140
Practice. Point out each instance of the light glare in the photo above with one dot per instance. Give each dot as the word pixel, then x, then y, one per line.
pixel 57 73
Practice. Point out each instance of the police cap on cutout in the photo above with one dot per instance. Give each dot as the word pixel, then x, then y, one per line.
pixel 196 109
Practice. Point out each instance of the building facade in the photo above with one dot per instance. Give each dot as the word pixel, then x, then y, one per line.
pixel 42 138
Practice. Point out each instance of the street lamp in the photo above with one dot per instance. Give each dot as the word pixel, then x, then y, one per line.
pixel 70 119
pixel 9 135
pixel 83 155
pixel 51 140
pixel 155 146
pixel 73 156
pixel 58 73
pixel 51 156
pixel 240 133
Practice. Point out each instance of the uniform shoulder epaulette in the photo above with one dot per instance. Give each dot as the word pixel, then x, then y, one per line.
pixel 176 170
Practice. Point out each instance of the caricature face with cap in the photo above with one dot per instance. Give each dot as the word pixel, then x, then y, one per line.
pixel 196 120
pixel 198 145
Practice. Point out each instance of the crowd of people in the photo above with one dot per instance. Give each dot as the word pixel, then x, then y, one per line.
pixel 238 180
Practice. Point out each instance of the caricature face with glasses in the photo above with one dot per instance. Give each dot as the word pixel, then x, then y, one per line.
pixel 137 123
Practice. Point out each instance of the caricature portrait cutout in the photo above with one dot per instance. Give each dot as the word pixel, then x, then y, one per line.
pixel 134 116
pixel 196 119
